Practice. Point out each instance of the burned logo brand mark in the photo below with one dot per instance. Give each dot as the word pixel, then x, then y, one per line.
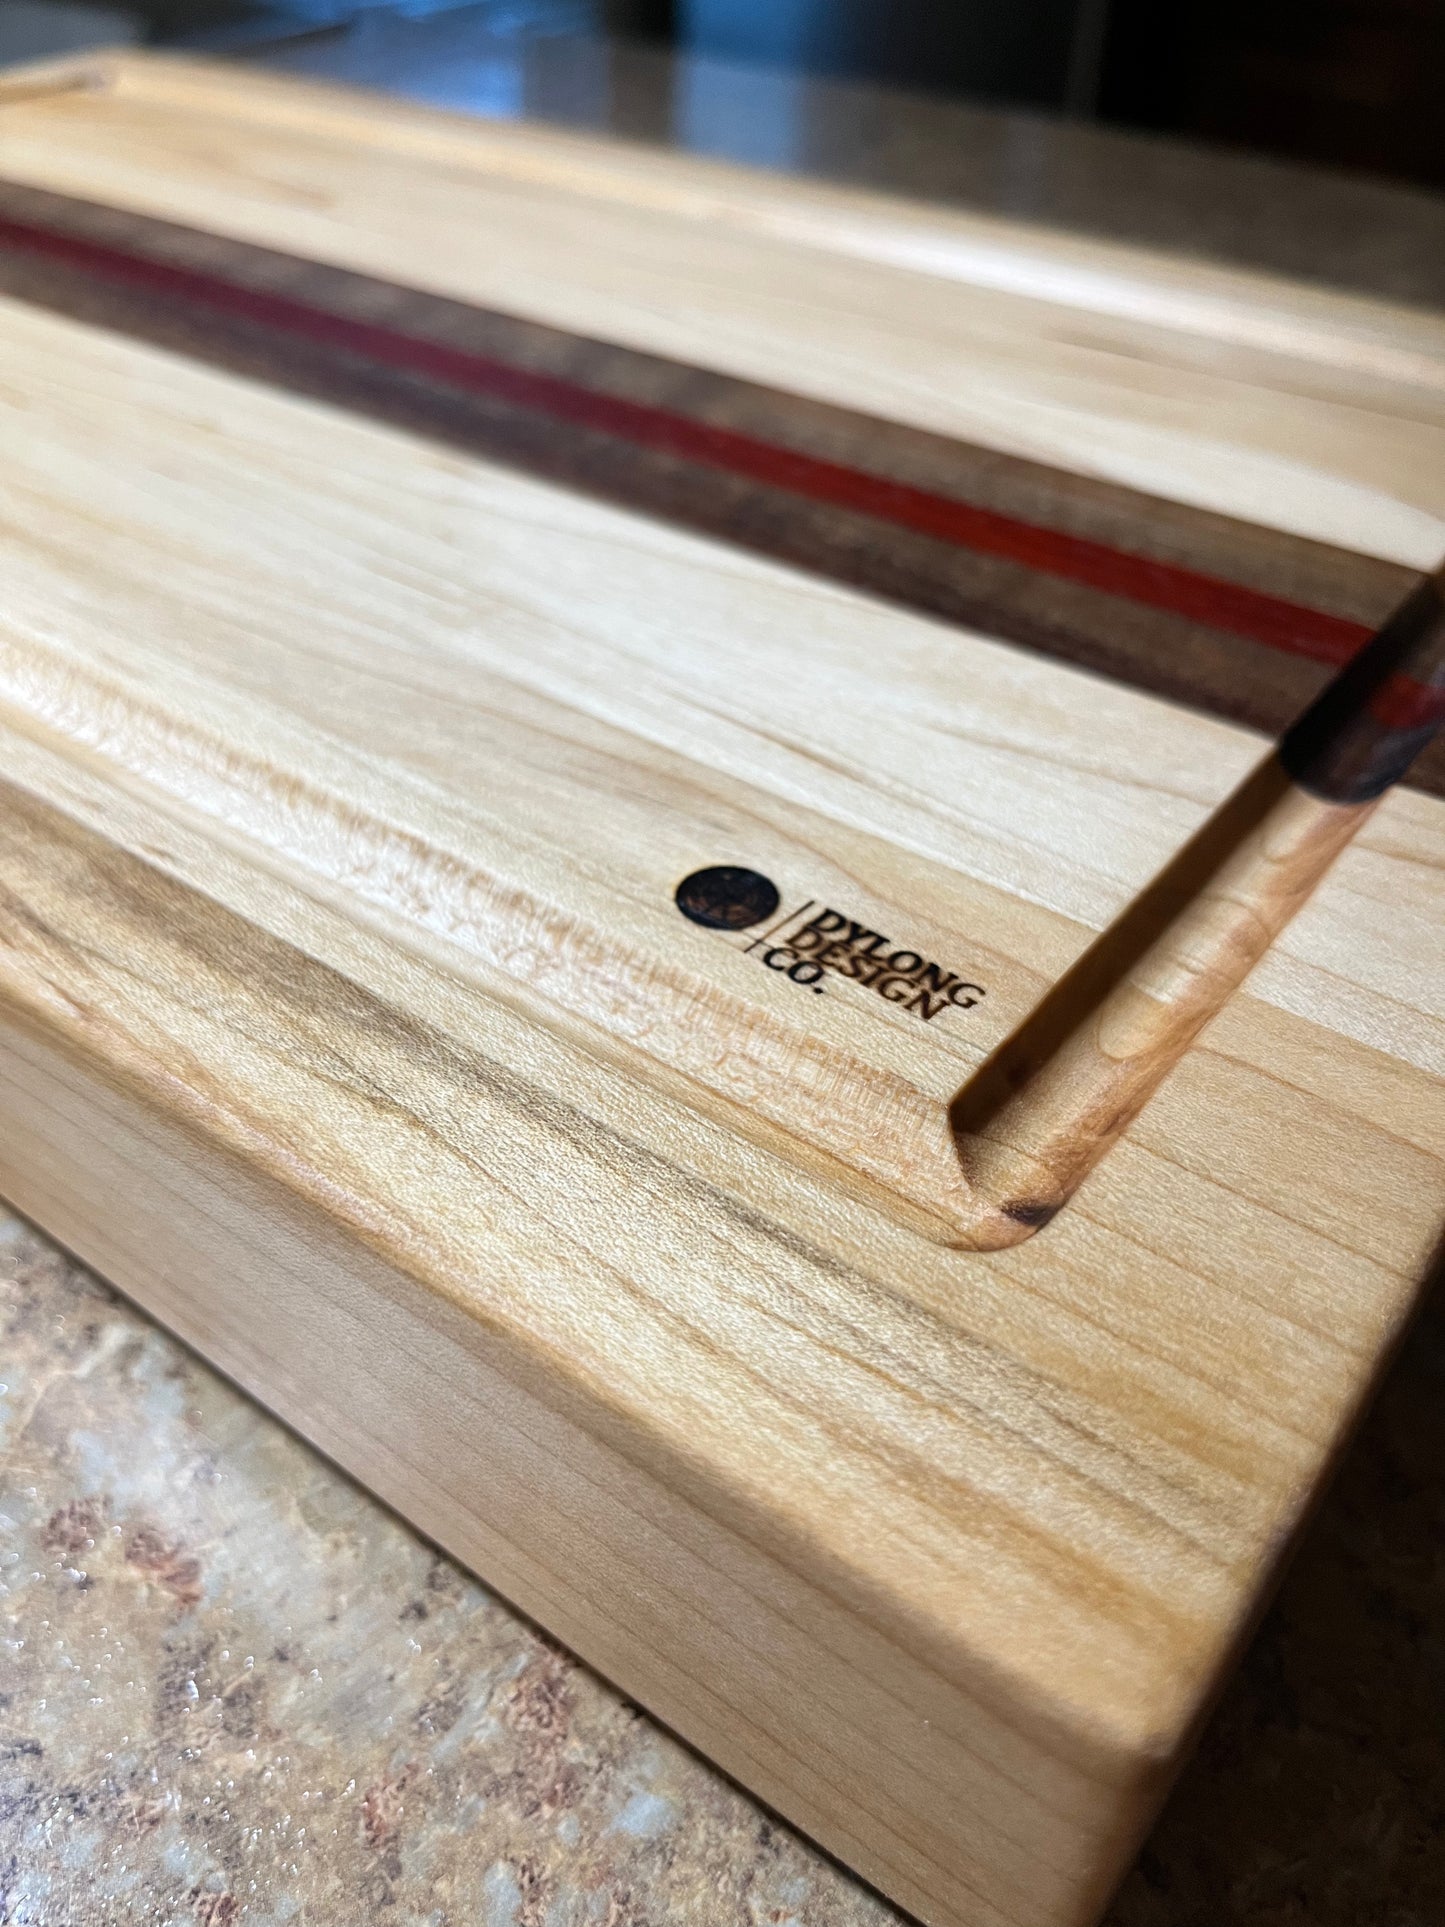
pixel 813 942
pixel 726 898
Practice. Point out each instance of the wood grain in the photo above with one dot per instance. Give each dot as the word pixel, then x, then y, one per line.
pixel 348 1022
pixel 1297 409
pixel 260 1117
pixel 1057 1096
pixel 1052 1100
pixel 1243 621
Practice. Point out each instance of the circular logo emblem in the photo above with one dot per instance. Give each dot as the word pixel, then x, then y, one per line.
pixel 726 898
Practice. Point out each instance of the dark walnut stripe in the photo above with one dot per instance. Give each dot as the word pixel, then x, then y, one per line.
pixel 1242 621
pixel 1382 710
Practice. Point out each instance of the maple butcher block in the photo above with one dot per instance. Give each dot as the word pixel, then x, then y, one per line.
pixel 642 880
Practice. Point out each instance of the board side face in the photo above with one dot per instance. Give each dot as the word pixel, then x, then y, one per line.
pixel 157 1048
pixel 138 1080
pixel 1046 1487
pixel 1292 408
pixel 932 1796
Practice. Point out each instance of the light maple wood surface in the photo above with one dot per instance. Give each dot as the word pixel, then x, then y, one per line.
pixel 1318 412
pixel 346 1020
pixel 1044 1109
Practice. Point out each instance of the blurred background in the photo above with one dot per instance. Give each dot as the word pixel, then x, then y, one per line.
pixel 1352 84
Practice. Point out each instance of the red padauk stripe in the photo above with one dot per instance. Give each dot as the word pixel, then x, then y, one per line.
pixel 1263 618
pixel 1403 703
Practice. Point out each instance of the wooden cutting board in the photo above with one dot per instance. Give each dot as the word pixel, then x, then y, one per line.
pixel 557 703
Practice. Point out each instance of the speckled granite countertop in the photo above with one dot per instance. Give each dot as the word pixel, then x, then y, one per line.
pixel 234 1688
